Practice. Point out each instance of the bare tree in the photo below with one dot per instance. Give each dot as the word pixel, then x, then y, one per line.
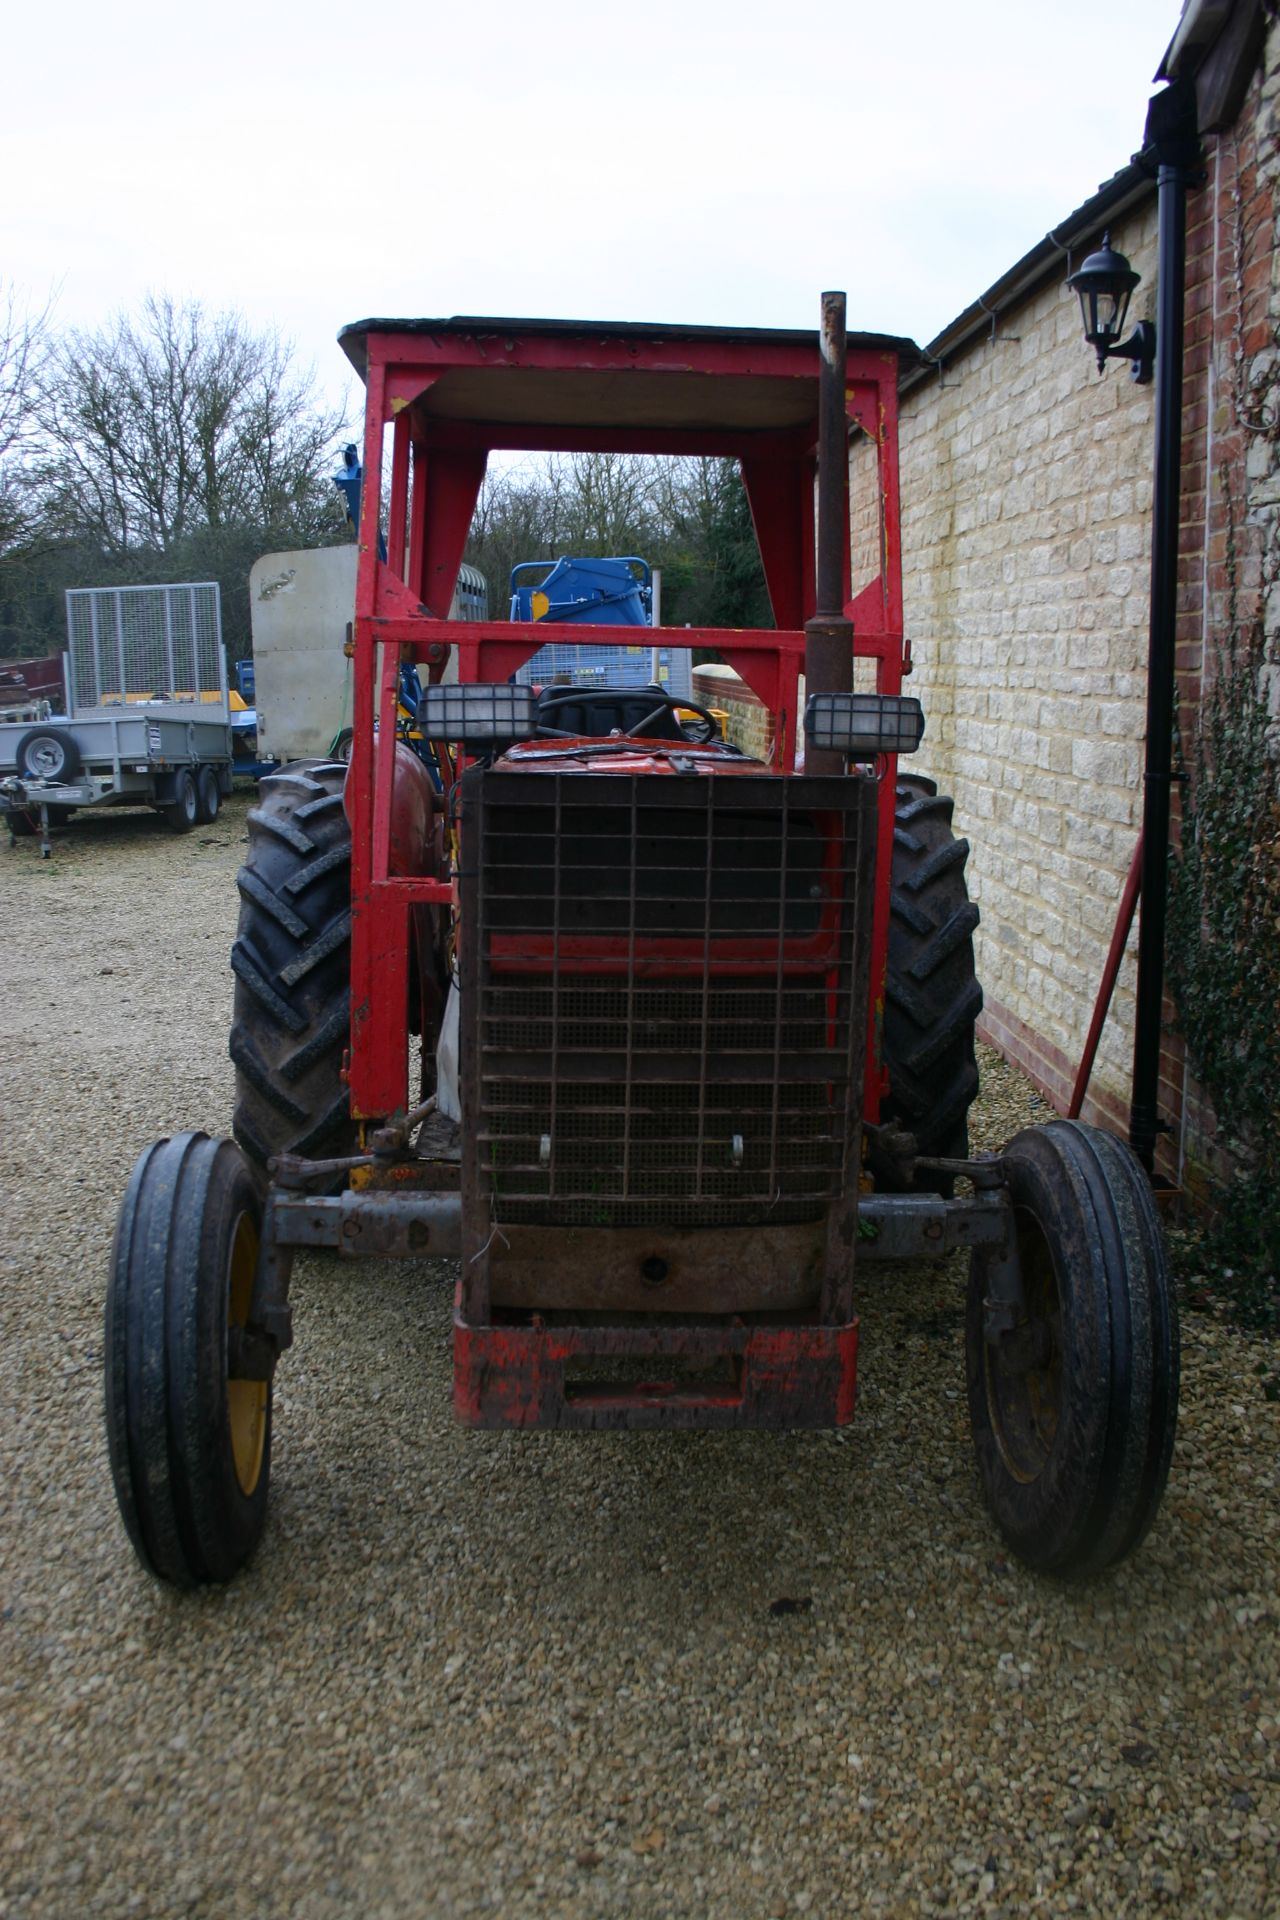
pixel 180 422
pixel 23 346
pixel 688 516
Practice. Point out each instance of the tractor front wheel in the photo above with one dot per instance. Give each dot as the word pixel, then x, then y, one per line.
pixel 190 1447
pixel 1074 1410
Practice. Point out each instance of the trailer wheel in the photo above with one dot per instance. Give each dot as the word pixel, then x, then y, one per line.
pixel 932 996
pixel 47 753
pixel 190 1448
pixel 183 810
pixel 208 797
pixel 1074 1412
pixel 291 961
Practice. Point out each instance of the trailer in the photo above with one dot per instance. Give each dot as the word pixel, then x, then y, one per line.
pixel 147 721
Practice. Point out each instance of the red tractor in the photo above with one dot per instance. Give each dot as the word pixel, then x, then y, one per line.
pixel 693 1032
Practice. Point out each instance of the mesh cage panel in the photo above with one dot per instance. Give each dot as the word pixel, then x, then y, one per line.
pixel 559 664
pixel 664 1004
pixel 146 644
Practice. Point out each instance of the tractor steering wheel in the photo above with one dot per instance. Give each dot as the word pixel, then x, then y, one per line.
pixel 676 703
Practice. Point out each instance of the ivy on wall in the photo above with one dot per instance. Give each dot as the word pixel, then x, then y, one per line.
pixel 1224 948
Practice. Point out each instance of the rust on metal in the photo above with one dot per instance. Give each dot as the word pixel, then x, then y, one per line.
pixel 795 1374
pixel 645 1270
pixel 394 1226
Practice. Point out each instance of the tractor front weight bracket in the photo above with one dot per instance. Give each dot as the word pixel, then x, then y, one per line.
pixel 361 1222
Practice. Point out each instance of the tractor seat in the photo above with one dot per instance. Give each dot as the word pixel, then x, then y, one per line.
pixel 598 711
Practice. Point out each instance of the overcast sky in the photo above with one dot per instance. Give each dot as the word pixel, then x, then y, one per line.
pixel 314 164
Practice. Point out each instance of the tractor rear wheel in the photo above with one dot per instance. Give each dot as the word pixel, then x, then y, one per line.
pixel 190 1448
pixel 932 996
pixel 1074 1411
pixel 291 960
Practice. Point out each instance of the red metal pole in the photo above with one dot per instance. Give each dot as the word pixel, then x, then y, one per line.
pixel 1124 920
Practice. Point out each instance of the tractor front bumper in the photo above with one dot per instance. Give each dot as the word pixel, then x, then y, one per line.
pixel 665 1375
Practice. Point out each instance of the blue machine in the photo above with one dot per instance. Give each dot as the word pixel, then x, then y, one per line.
pixel 348 483
pixel 617 592
pixel 607 593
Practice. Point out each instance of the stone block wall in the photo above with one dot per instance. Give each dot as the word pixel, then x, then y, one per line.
pixel 1026 487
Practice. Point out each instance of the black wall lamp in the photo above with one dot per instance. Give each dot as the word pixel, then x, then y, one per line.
pixel 1105 283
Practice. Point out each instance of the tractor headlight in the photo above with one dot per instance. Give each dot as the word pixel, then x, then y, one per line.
pixel 863 724
pixel 480 715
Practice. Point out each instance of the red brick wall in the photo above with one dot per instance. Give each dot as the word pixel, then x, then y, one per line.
pixel 1231 312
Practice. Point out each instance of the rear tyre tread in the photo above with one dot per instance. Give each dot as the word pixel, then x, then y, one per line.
pixel 290 779
pixel 941 861
pixel 263 992
pixel 327 803
pixel 937 1114
pixel 929 806
pixel 282 830
pixel 960 927
pixel 291 959
pixel 251 1064
pixel 251 888
pixel 335 936
pixel 932 996
pixel 330 1035
pixel 339 856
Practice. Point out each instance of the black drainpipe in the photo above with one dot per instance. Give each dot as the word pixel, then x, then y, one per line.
pixel 1171 130
pixel 828 634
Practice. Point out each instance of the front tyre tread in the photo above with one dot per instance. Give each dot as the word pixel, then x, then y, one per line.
pixel 181 1268
pixel 1083 1496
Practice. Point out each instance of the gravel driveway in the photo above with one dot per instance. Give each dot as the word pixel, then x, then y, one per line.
pixel 723 1675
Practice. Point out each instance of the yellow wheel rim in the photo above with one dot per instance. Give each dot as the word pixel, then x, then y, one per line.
pixel 246 1399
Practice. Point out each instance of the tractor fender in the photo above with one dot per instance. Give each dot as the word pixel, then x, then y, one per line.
pixel 414 830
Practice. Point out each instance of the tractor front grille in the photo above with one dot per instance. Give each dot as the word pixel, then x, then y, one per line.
pixel 663 996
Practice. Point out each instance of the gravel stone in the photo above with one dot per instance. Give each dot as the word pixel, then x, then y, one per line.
pixel 516 1675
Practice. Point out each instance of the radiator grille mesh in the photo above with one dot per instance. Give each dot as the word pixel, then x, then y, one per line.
pixel 662 1001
